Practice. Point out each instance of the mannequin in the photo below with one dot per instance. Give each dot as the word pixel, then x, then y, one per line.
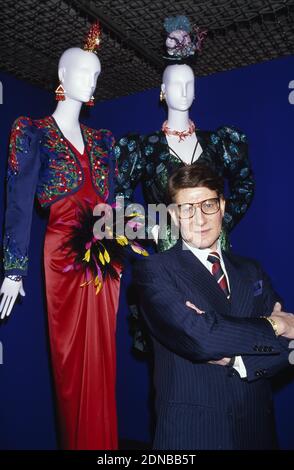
pixel 80 85
pixel 158 154
pixel 67 165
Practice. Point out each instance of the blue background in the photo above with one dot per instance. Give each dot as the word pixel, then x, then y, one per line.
pixel 253 98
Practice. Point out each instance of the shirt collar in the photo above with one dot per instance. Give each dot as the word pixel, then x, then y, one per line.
pixel 202 254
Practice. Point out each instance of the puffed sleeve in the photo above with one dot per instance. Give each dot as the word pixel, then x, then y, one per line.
pixel 22 178
pixel 113 168
pixel 237 170
pixel 130 166
pixel 108 140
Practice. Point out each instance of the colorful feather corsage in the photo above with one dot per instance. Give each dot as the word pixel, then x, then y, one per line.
pixel 99 244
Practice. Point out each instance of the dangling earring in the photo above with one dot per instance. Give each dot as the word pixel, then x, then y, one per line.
pixel 60 93
pixel 161 96
pixel 91 102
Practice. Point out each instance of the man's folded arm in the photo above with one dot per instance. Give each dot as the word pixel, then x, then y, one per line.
pixel 209 336
pixel 260 366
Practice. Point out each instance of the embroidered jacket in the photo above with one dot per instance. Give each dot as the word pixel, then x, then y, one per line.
pixel 42 163
pixel 148 159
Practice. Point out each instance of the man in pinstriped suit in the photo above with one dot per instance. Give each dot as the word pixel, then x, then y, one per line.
pixel 213 351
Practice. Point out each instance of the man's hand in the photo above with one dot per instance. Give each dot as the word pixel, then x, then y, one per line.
pixel 190 305
pixel 277 308
pixel 284 321
pixel 221 362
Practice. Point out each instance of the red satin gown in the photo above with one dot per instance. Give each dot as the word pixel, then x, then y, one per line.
pixel 82 334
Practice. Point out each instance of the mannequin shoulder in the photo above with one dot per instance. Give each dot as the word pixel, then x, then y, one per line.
pixel 230 133
pixel 22 129
pixel 129 141
pixel 25 123
pixel 153 138
pixel 100 135
pixel 22 123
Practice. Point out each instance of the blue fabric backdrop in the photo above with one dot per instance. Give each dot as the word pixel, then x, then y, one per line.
pixel 255 99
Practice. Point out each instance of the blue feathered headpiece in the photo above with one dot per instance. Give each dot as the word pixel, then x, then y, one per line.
pixel 183 40
pixel 173 23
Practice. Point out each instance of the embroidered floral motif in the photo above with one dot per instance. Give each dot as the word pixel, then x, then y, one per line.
pixel 18 146
pixel 13 258
pixel 131 145
pixel 61 173
pixel 100 156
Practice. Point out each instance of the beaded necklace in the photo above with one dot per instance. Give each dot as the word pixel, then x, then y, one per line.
pixel 180 134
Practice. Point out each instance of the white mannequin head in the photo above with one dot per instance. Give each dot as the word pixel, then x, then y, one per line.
pixel 78 71
pixel 178 86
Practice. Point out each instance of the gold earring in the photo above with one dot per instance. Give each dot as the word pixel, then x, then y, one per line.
pixel 60 93
pixel 161 96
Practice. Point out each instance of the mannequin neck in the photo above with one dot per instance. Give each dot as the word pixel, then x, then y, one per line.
pixel 67 113
pixel 178 120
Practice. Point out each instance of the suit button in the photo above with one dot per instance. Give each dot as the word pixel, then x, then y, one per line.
pixel 265 349
pixel 264 371
pixel 270 349
pixel 255 348
pixel 260 349
pixel 232 373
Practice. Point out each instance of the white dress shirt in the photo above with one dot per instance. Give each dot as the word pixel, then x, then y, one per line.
pixel 202 255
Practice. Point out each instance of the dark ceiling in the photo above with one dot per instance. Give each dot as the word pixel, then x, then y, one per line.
pixel 34 33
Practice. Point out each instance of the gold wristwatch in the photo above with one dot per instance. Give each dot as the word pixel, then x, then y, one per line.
pixel 274 325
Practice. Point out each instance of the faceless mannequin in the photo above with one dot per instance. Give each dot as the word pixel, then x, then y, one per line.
pixel 78 72
pixel 178 88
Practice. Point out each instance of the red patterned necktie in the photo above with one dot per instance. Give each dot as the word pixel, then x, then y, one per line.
pixel 218 273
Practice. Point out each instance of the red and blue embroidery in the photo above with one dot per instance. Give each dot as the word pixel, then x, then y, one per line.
pixel 61 173
pixel 43 163
pixel 18 145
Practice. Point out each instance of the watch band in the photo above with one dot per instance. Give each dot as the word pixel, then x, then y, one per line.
pixel 274 324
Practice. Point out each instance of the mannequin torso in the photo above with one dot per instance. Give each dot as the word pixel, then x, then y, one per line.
pixel 71 132
pixel 187 150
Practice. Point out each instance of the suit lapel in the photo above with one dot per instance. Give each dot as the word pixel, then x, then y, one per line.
pixel 241 289
pixel 193 274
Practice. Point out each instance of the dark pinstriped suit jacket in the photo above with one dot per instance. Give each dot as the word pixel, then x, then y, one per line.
pixel 201 405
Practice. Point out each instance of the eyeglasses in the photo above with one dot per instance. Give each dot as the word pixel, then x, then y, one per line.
pixel 208 207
